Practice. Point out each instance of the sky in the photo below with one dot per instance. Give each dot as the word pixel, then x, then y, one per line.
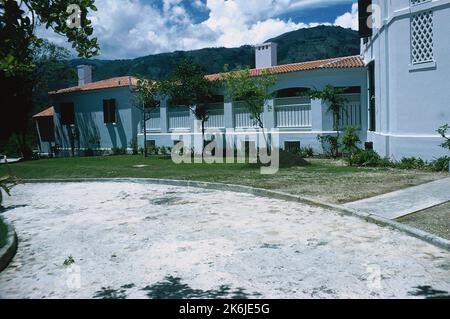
pixel 133 28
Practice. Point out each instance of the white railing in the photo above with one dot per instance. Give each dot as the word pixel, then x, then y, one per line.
pixel 216 116
pixel 351 113
pixel 154 123
pixel 293 112
pixel 179 118
pixel 243 118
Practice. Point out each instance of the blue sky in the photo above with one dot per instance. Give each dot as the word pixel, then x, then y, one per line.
pixel 133 28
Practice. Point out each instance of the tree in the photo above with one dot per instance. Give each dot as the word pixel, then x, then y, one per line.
pixel 188 86
pixel 18 42
pixel 146 99
pixel 443 132
pixel 52 72
pixel 336 103
pixel 252 91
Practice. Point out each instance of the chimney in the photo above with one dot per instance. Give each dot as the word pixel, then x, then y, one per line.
pixel 266 55
pixel 84 74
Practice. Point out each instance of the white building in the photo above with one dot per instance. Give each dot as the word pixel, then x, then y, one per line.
pixel 398 91
pixel 408 61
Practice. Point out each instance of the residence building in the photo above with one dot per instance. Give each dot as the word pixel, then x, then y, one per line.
pixel 398 93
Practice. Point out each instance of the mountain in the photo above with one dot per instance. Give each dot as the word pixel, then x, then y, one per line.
pixel 297 46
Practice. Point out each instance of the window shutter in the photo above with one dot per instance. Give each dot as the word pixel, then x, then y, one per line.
pixel 365 31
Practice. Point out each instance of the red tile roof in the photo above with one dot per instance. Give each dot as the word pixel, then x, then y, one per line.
pixel 104 84
pixel 334 63
pixel 46 113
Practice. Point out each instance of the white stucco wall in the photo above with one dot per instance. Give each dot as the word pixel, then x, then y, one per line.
pixel 89 118
pixel 321 119
pixel 412 101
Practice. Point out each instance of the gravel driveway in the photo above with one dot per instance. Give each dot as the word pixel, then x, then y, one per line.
pixel 137 240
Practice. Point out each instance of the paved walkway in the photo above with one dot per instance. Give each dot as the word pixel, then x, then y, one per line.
pixel 406 201
pixel 133 240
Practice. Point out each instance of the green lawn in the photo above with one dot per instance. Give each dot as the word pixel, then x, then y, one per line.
pixel 326 180
pixel 3 233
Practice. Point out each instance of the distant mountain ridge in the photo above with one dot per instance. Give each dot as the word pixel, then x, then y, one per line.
pixel 321 42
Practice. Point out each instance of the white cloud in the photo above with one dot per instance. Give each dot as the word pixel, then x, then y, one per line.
pixel 131 28
pixel 349 19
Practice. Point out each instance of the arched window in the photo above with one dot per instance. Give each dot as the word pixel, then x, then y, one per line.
pixel 292 108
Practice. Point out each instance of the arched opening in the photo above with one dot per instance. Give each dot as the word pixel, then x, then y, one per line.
pixel 292 108
pixel 351 113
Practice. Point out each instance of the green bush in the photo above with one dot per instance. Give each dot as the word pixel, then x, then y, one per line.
pixel 330 145
pixel 164 151
pixel 411 163
pixel 306 152
pixel 441 164
pixel 368 158
pixel 350 140
pixel 119 151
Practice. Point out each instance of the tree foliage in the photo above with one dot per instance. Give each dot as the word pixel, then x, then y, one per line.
pixel 334 98
pixel 336 103
pixel 188 86
pixel 252 91
pixel 18 44
pixel 443 132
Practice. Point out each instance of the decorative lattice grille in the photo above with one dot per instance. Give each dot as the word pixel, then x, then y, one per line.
pixel 422 37
pixel 415 2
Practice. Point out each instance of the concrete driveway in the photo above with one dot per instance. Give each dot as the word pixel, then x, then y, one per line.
pixel 138 240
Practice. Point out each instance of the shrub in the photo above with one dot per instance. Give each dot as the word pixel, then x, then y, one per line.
pixel 350 140
pixel 411 163
pixel 367 158
pixel 330 145
pixel 306 152
pixel 151 150
pixel 441 164
pixel 119 151
pixel 163 151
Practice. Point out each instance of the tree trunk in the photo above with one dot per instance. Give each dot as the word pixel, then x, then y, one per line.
pixel 145 133
pixel 203 140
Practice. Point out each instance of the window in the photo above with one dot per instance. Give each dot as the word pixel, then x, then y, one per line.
pixel 67 114
pixel 109 111
pixel 292 147
pixel 422 37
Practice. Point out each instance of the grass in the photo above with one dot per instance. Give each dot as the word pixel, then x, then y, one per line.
pixel 435 220
pixel 3 233
pixel 325 180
